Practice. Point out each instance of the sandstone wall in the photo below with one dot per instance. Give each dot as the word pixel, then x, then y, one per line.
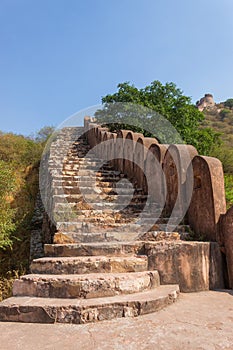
pixel 191 181
pixel 185 177
pixel 195 266
pixel 176 162
pixel 208 196
pixel 225 237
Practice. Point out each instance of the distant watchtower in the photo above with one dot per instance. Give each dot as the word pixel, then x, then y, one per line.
pixel 206 102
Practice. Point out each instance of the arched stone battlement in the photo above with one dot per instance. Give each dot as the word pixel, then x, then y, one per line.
pixel 140 153
pixel 208 196
pixel 176 162
pixel 131 139
pixel 119 149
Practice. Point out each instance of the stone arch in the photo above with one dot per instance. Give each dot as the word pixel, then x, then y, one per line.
pixel 91 135
pixel 208 196
pixel 131 139
pixel 175 164
pixel 140 152
pixel 225 239
pixel 119 149
pixel 112 143
pixel 152 173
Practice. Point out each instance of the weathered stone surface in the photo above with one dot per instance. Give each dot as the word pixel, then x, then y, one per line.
pixel 140 152
pixel 188 264
pixel 85 286
pixel 201 321
pixel 131 139
pixel 119 149
pixel 91 264
pixel 225 238
pixel 154 177
pixel 176 162
pixel 206 102
pixel 208 197
pixel 96 249
pixel 37 239
pixel 49 310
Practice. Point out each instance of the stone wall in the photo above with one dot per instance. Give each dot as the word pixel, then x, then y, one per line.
pixel 43 221
pixel 195 266
pixel 36 242
pixel 208 197
pixel 191 181
pixel 225 238
pixel 175 172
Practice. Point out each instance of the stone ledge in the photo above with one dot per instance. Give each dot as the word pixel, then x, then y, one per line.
pixel 195 266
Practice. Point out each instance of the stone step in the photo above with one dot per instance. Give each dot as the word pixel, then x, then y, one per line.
pixel 93 173
pixel 84 218
pixel 86 179
pixel 95 249
pixel 99 196
pixel 83 163
pixel 82 286
pixel 81 183
pixel 79 311
pixel 99 203
pixel 103 205
pixel 89 227
pixel 86 265
pixel 90 190
pixel 59 190
pixel 101 236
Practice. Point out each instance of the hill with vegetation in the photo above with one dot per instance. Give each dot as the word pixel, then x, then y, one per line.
pixel 19 184
pixel 219 117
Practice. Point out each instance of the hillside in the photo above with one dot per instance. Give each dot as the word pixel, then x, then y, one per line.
pixel 219 116
pixel 19 170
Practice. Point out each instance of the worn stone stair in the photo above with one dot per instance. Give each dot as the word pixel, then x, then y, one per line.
pixel 95 270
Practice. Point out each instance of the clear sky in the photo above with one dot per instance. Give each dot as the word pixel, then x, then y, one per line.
pixel 60 56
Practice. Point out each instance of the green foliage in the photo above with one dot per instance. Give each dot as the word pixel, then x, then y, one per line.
pixel 43 134
pixel 221 120
pixel 19 150
pixel 7 186
pixel 166 100
pixel 225 154
pixel 229 103
pixel 19 172
pixel 229 189
pixel 224 113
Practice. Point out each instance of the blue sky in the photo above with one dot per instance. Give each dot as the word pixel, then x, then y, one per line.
pixel 60 56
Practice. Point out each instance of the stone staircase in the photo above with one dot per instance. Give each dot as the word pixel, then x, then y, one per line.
pixel 96 269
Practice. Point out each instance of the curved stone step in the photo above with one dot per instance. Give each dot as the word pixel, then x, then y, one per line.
pixel 85 286
pixel 88 264
pixel 80 311
pixel 94 249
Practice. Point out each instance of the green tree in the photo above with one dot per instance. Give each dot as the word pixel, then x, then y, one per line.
pixel 44 133
pixel 166 100
pixel 229 103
